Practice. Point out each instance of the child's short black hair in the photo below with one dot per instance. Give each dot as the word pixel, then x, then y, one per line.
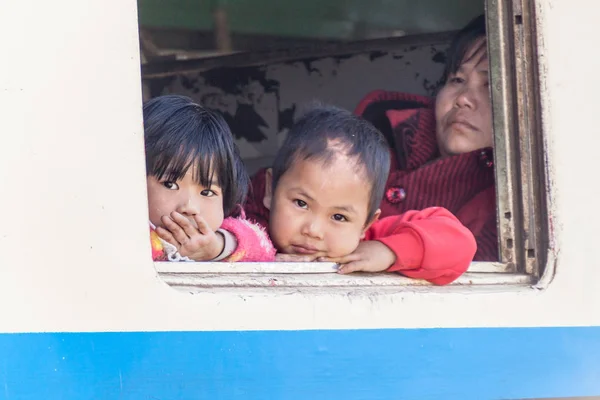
pixel 179 133
pixel 461 43
pixel 312 134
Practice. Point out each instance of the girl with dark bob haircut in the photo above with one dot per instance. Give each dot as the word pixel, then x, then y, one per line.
pixel 196 185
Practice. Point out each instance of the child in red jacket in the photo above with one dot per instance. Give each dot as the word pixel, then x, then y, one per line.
pixel 323 194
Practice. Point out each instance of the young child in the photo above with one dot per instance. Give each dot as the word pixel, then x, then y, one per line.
pixel 196 183
pixel 321 201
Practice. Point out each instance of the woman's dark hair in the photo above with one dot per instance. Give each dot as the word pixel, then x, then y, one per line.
pixel 179 133
pixel 311 136
pixel 461 44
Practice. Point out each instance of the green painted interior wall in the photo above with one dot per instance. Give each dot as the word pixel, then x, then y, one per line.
pixel 329 19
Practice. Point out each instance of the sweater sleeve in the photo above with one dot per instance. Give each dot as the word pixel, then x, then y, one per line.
pixel 430 244
pixel 253 242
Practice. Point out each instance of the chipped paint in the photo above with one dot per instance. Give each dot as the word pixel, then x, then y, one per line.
pixel 260 102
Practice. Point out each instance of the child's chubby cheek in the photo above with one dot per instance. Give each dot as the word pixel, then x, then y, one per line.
pixel 341 246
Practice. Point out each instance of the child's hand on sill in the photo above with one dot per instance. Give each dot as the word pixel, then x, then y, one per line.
pixel 199 244
pixel 369 256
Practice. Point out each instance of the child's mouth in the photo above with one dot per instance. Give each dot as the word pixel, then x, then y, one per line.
pixel 304 249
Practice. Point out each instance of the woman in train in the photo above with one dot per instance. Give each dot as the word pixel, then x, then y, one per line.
pixel 441 148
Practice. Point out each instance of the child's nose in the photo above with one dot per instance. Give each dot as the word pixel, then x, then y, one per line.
pixel 188 207
pixel 313 228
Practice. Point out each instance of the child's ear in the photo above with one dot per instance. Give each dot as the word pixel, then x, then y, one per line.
pixel 371 222
pixel 268 188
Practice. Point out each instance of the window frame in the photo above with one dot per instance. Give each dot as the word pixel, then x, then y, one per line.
pixel 521 176
pixel 192 276
pixel 522 188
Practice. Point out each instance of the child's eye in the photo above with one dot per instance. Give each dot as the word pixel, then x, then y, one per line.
pixel 339 218
pixel 171 185
pixel 208 193
pixel 300 203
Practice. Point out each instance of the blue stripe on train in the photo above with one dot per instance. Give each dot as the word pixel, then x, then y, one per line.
pixel 346 364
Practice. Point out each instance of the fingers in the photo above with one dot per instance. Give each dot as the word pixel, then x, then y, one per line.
pixel 166 236
pixel 279 257
pixel 176 231
pixel 181 229
pixel 188 228
pixel 341 260
pixel 354 266
pixel 202 225
pixel 363 265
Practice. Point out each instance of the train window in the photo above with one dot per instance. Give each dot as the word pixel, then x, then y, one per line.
pixel 257 64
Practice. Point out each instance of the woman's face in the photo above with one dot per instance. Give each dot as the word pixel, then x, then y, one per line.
pixel 463 109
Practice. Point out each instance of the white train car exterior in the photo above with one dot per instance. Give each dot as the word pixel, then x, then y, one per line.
pixel 85 314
